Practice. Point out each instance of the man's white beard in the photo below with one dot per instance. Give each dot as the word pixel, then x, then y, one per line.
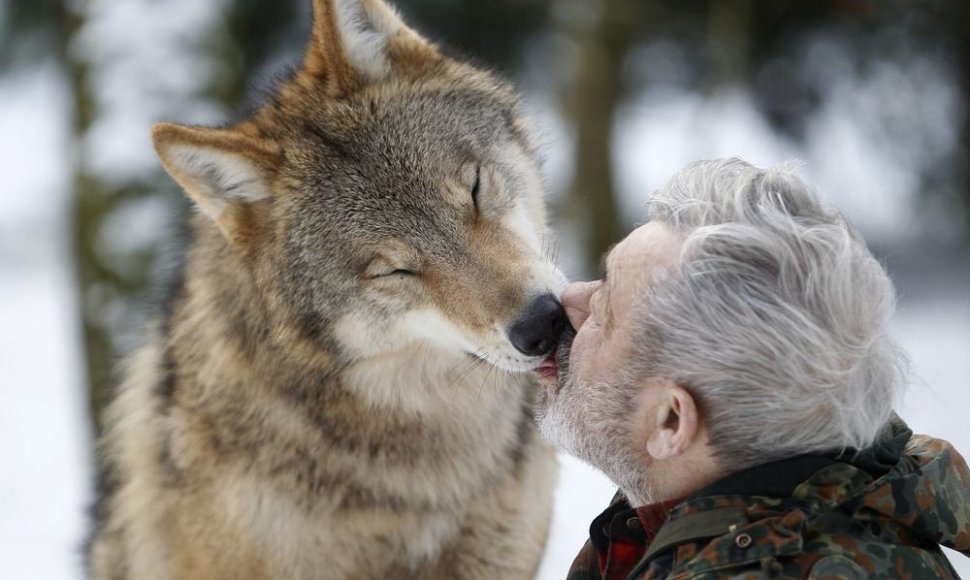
pixel 561 423
pixel 555 431
pixel 607 445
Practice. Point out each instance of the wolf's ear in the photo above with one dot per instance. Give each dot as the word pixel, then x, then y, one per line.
pixel 224 171
pixel 360 41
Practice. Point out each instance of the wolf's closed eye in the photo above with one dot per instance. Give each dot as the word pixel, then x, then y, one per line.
pixel 384 267
pixel 477 186
pixel 390 273
pixel 397 272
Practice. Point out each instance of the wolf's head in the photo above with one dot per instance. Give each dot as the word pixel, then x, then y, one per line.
pixel 385 196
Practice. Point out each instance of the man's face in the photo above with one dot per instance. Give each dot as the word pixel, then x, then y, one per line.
pixel 589 407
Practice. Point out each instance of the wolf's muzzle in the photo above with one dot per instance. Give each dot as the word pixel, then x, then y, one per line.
pixel 536 332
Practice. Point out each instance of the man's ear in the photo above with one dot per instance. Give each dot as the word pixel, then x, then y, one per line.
pixel 226 172
pixel 359 41
pixel 676 426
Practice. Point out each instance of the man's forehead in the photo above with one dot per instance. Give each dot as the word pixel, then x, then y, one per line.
pixel 618 265
pixel 651 244
pixel 624 252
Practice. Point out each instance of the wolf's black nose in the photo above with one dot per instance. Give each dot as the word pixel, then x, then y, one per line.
pixel 537 330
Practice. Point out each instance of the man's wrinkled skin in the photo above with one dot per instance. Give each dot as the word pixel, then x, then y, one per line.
pixel 592 390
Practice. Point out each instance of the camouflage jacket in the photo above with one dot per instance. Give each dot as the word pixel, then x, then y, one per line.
pixel 880 513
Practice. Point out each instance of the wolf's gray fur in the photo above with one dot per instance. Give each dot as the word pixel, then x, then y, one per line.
pixel 332 392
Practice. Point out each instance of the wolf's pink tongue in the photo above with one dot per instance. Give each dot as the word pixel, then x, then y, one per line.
pixel 549 367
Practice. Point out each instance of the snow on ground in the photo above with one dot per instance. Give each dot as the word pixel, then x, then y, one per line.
pixel 44 440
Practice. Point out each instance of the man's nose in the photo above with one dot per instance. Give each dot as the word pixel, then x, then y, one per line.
pixel 575 301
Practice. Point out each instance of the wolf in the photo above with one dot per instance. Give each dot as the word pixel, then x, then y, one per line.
pixel 338 386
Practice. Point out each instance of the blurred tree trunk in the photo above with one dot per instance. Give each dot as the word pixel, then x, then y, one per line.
pixel 57 22
pixel 110 290
pixel 87 212
pixel 597 94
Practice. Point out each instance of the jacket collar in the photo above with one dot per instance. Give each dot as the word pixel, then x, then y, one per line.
pixel 723 507
pixel 780 478
pixel 775 479
pixel 808 482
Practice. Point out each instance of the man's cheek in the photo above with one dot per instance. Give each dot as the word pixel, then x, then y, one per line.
pixel 583 353
pixel 582 340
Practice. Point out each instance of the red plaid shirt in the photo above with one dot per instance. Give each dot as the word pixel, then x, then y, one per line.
pixel 619 538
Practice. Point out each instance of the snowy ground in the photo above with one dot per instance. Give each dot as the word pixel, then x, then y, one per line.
pixel 44 439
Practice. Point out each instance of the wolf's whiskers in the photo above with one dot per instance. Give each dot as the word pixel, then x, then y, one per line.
pixel 467 368
pixel 488 373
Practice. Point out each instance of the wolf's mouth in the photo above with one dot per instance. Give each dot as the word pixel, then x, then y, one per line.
pixel 553 370
pixel 549 368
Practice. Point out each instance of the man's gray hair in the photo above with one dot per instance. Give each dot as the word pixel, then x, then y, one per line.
pixel 776 318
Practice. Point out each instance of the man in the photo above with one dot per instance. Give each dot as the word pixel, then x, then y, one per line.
pixel 734 374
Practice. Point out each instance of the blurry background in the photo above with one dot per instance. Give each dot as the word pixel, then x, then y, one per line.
pixel 871 94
